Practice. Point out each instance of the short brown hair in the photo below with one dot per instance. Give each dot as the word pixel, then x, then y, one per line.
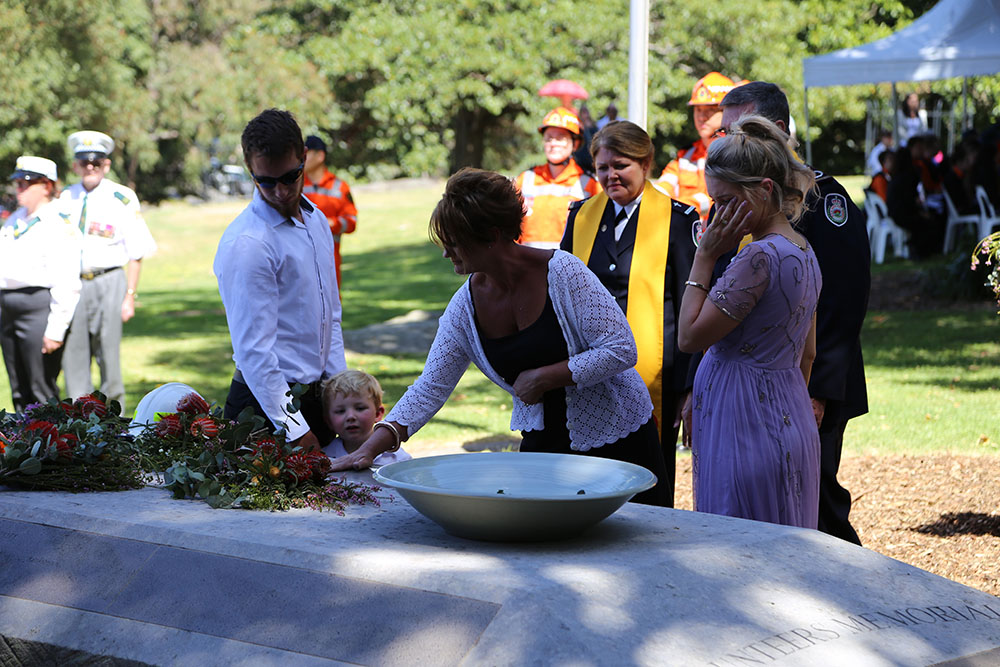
pixel 272 134
pixel 624 138
pixel 476 207
pixel 352 383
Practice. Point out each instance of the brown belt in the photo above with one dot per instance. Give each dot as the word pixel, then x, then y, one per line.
pixel 90 275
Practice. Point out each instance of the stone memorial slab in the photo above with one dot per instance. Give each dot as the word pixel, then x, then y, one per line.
pixel 168 582
pixel 283 607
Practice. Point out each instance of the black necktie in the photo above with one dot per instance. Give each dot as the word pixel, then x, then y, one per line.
pixel 619 219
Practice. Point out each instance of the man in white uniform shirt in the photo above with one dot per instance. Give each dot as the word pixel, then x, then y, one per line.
pixel 114 236
pixel 275 267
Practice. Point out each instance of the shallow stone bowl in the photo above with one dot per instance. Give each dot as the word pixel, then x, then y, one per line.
pixel 515 496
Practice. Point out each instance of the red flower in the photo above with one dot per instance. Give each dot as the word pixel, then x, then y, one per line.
pixel 89 404
pixel 169 426
pixel 193 404
pixel 266 448
pixel 319 462
pixel 66 445
pixel 46 430
pixel 204 427
pixel 297 465
pixel 3 443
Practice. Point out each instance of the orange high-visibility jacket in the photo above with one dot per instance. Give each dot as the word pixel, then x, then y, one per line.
pixel 332 196
pixel 684 178
pixel 547 200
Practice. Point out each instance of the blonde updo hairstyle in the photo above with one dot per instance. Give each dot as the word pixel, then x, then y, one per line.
pixel 753 149
pixel 626 139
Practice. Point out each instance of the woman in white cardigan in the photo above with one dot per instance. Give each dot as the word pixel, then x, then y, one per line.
pixel 537 323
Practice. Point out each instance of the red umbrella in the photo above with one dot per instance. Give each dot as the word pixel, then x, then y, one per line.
pixel 565 90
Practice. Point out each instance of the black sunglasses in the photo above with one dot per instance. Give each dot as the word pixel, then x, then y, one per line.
pixel 288 178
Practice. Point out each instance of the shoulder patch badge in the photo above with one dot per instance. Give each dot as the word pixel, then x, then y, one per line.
pixel 835 208
pixel 697 230
pixel 122 198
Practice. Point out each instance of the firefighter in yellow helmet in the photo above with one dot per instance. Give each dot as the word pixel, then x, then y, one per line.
pixel 549 189
pixel 684 177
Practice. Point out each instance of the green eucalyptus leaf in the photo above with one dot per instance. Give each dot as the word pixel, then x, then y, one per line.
pixel 30 466
pixel 242 433
pixel 215 502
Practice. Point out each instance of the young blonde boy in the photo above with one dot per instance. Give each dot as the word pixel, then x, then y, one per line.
pixel 352 403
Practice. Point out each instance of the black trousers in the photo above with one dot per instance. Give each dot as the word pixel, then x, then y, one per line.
pixel 24 314
pixel 834 500
pixel 668 440
pixel 240 397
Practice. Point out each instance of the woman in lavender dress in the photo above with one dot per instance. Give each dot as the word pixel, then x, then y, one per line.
pixel 755 440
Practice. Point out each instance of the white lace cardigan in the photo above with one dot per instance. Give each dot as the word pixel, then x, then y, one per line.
pixel 609 399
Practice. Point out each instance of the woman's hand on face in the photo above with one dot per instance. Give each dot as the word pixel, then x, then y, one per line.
pixel 530 385
pixel 729 225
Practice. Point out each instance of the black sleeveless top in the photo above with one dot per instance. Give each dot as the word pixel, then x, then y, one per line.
pixel 539 344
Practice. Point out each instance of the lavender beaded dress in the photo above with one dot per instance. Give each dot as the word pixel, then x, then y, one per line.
pixel 755 441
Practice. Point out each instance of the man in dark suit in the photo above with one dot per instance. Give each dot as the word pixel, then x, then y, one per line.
pixel 836 231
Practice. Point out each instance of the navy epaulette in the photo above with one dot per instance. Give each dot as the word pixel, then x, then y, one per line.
pixel 573 205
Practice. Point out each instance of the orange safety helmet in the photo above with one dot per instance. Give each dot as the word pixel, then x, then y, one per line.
pixel 562 117
pixel 710 89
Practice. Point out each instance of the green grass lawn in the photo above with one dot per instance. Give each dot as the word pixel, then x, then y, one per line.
pixel 934 377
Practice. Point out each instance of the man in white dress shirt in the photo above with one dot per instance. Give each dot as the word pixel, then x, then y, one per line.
pixel 275 267
pixel 114 236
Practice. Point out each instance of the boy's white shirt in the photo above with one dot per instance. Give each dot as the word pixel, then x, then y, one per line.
pixel 336 449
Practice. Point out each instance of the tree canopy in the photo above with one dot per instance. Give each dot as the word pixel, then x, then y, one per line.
pixel 399 89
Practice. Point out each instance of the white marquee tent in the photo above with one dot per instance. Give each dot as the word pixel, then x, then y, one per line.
pixel 955 38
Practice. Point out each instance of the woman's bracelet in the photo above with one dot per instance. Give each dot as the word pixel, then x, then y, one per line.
pixel 393 430
pixel 694 284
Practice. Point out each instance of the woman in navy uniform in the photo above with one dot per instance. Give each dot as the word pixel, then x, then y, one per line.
pixel 640 243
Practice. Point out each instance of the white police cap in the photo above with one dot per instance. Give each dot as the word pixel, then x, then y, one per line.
pixel 29 167
pixel 90 145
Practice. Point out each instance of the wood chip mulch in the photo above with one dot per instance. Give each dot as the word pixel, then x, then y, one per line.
pixel 940 513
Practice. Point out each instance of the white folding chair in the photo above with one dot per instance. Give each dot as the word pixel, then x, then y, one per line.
pixel 955 220
pixel 885 230
pixel 988 216
pixel 872 216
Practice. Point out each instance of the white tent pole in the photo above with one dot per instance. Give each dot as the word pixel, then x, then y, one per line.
pixel 809 144
pixel 638 62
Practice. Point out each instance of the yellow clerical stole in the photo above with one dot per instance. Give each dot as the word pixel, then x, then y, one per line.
pixel 644 306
